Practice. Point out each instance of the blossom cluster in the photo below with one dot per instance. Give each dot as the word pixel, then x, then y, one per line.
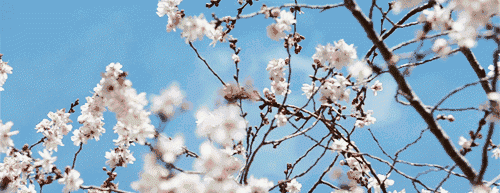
pixel 276 31
pixel 192 27
pixel 335 89
pixel 276 68
pixel 471 17
pixel 166 104
pixel 55 129
pixel 338 55
pixel 4 70
pixel 222 125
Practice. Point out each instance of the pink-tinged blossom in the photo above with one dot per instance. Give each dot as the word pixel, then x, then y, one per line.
pixel 491 73
pixel 166 104
pixel 119 157
pixel 226 186
pixel 276 30
pixel 47 161
pixel 281 120
pixel 293 186
pixel 71 180
pixel 441 47
pixel 235 58
pixel 222 125
pixel 366 120
pixel 376 87
pixel 464 143
pixel 55 129
pixel 195 28
pixel 216 163
pixel 91 118
pixel 399 5
pixel 184 183
pixel 5 134
pixel 339 145
pixel 309 90
pixel 259 185
pixel 335 89
pixel 29 189
pixel 496 153
pixel 170 148
pixel 4 70
pixel 373 183
pixel 276 68
pixel 133 123
pixel 152 176
pixel 360 70
pixel 338 56
pixel 438 18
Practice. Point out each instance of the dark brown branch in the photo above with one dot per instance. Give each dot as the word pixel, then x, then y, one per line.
pixel 204 61
pixel 410 95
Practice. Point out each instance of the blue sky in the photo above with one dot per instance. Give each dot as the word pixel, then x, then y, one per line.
pixel 59 48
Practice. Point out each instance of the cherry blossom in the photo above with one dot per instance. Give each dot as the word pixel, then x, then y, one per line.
pixel 335 89
pixel 184 183
pixel 166 104
pixel 496 153
pixel 464 143
pixel 261 185
pixel 276 68
pixel 376 87
pixel 360 70
pixel 71 179
pixel 337 56
pixel 293 186
pixel 5 134
pixel 153 176
pixel 222 125
pixel 441 47
pixel 47 161
pixel 339 145
pixel 374 184
pixel 276 30
pixel 281 119
pixel 4 70
pixel 216 163
pixel 309 90
pixel 120 156
pixel 170 148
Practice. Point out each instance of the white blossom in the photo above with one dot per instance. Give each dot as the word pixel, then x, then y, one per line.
pixel 120 156
pixel 195 28
pixel 276 30
pixel 5 134
pixel 4 70
pixel 166 104
pixel 376 87
pixel 360 70
pixel 496 153
pixel 337 56
pixel 309 90
pixel 184 183
pixel 170 148
pixel 373 183
pixel 216 163
pixel 339 145
pixel 259 185
pixel 71 180
pixel 464 143
pixel 152 177
pixel 293 186
pixel 281 119
pixel 47 161
pixel 441 47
